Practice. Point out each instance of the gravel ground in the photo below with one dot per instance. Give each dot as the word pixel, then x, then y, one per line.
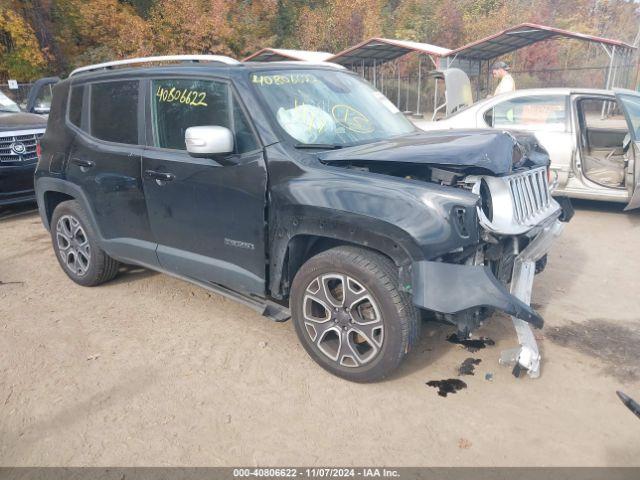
pixel 149 370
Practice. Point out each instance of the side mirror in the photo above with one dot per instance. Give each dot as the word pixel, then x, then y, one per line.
pixel 208 141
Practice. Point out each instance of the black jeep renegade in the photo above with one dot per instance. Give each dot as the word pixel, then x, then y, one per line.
pixel 302 191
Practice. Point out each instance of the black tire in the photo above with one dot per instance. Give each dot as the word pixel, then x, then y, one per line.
pixel 360 268
pixel 93 269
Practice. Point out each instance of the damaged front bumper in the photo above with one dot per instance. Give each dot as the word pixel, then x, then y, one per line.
pixel 451 288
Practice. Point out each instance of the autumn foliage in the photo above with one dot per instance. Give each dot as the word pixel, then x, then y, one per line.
pixel 39 37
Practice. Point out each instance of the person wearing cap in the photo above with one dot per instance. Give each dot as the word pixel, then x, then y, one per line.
pixel 501 70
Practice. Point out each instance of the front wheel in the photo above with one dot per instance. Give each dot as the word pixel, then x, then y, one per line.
pixel 350 315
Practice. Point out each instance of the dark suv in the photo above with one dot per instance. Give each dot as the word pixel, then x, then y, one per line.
pixel 19 134
pixel 300 190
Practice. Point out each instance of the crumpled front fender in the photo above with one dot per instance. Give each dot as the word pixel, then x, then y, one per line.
pixel 451 288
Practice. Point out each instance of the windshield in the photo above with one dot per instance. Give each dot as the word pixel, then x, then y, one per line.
pixel 323 107
pixel 7 105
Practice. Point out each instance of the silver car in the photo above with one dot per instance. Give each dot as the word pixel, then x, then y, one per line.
pixel 592 136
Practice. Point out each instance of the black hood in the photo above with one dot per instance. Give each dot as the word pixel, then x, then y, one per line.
pixel 490 151
pixel 21 121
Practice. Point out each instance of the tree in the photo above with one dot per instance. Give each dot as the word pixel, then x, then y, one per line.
pixel 51 36
pixel 99 30
pixel 336 24
pixel 20 53
pixel 253 26
pixel 190 26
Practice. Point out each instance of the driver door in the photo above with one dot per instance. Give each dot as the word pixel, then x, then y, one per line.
pixel 630 102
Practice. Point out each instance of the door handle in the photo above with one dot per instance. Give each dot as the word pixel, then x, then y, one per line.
pixel 83 164
pixel 159 176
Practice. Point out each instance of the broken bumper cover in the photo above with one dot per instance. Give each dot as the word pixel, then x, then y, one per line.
pixel 452 288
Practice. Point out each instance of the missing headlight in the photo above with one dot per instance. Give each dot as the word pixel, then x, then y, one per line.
pixel 487 203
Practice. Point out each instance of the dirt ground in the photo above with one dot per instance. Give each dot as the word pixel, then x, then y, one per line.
pixel 149 370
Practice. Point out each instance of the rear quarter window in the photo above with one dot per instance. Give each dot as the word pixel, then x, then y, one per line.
pixel 114 111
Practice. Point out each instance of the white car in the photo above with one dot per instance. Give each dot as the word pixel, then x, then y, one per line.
pixel 592 136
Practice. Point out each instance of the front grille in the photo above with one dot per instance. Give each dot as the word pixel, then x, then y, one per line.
pixel 23 151
pixel 530 194
pixel 516 203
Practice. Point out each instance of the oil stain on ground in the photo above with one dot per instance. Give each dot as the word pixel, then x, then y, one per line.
pixel 615 344
pixel 473 345
pixel 452 385
pixel 468 366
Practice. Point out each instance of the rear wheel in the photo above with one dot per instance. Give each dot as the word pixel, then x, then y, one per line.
pixel 350 315
pixel 75 245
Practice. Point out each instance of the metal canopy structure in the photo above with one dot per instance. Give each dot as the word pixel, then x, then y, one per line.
pixel 524 35
pixel 474 59
pixel 470 57
pixel 283 54
pixel 376 51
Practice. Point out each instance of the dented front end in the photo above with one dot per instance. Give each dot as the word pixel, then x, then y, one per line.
pixel 519 220
pixel 516 221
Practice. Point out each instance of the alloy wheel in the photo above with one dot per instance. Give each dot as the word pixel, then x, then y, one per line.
pixel 343 320
pixel 73 245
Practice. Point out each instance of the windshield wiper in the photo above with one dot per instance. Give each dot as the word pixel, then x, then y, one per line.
pixel 319 146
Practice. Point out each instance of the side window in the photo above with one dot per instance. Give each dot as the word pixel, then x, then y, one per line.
pixel 114 111
pixel 245 140
pixel 602 113
pixel 177 104
pixel 75 105
pixel 544 112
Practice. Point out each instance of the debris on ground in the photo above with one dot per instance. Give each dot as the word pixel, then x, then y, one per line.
pixel 93 357
pixel 468 366
pixel 488 376
pixel 451 385
pixel 630 403
pixel 11 283
pixel 473 345
pixel 464 444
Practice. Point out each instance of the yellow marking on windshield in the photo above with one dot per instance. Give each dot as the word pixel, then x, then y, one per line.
pixel 352 119
pixel 279 79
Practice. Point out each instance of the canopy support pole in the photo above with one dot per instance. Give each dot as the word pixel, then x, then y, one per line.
pixel 478 80
pixel 435 100
pixel 398 68
pixel 612 56
pixel 419 84
pixel 374 74
pixel 488 76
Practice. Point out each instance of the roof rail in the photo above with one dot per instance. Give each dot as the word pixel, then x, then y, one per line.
pixel 165 58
